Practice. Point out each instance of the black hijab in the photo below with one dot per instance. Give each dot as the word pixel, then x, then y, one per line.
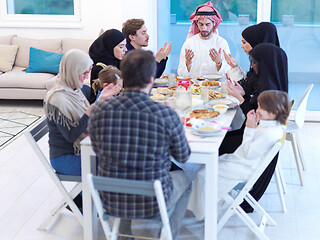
pixel 101 49
pixel 273 67
pixel 264 32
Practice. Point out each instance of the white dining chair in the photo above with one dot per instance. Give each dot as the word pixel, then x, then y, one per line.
pixel 98 184
pixel 244 194
pixel 33 136
pixel 292 132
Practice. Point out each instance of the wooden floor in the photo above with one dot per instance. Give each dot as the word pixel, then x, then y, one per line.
pixel 28 195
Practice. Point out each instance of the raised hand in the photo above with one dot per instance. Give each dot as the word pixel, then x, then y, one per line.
pixel 215 55
pixel 230 60
pixel 252 119
pixel 189 54
pixel 163 51
pixel 235 91
pixel 109 91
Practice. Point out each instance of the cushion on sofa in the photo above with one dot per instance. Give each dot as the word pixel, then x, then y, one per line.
pixel 7 57
pixel 6 39
pixel 82 44
pixel 18 78
pixel 41 61
pixel 22 59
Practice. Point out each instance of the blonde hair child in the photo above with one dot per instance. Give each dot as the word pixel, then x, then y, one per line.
pixel 108 75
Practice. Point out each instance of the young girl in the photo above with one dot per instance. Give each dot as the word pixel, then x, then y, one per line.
pixel 264 127
pixel 108 75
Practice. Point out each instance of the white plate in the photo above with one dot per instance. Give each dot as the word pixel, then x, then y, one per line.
pixel 160 82
pixel 213 76
pixel 212 133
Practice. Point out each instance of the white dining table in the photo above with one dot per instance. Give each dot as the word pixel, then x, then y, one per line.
pixel 203 151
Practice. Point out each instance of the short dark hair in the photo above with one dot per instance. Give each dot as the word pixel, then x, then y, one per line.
pixel 131 26
pixel 137 67
pixel 276 102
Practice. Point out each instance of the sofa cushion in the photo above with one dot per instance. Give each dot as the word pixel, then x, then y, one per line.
pixel 82 44
pixel 18 78
pixel 22 59
pixel 6 39
pixel 7 57
pixel 41 61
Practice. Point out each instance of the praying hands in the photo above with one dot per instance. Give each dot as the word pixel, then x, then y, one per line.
pixel 235 90
pixel 163 52
pixel 189 54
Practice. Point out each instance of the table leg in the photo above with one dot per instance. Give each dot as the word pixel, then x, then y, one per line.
pixel 90 220
pixel 211 196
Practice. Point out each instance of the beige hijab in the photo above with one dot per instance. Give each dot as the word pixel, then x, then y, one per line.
pixel 65 103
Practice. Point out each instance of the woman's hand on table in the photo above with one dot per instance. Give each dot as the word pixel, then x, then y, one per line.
pixel 252 119
pixel 230 60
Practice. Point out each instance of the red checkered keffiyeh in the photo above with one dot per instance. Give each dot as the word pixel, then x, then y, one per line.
pixel 205 10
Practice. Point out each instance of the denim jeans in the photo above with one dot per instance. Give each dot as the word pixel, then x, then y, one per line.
pixel 178 200
pixel 67 164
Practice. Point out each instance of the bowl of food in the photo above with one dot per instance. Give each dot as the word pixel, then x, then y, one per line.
pixel 221 108
pixel 205 128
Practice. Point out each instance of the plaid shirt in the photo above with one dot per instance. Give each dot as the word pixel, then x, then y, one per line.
pixel 133 138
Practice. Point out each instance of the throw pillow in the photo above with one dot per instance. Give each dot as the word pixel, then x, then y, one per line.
pixel 7 57
pixel 41 61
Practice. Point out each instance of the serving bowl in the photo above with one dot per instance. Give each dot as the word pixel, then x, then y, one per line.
pixel 221 108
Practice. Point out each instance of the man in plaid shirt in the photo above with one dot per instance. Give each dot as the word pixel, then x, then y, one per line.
pixel 134 138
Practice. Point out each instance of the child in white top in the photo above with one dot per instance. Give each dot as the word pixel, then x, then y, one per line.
pixel 264 127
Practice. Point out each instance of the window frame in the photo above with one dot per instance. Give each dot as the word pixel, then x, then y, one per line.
pixel 40 20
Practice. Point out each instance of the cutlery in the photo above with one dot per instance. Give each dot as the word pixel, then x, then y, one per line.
pixel 223 128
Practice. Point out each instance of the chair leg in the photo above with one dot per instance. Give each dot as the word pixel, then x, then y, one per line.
pixel 291 138
pixel 280 187
pixel 256 206
pixel 303 163
pixel 63 203
pixel 282 179
pixel 251 224
pixel 115 228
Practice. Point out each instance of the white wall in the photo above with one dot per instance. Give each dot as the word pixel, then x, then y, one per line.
pixel 97 14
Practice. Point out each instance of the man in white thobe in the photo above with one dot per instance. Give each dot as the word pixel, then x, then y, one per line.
pixel 202 52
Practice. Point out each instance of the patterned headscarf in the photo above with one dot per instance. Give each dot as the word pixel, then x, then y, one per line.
pixel 205 10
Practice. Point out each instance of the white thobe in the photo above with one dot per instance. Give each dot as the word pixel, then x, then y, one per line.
pixel 202 64
pixel 238 166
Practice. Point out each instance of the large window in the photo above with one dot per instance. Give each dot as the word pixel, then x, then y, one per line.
pixel 228 9
pixel 40 13
pixel 302 11
pixel 42 7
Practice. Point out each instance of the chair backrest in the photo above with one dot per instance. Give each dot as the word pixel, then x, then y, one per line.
pixel 33 136
pixel 116 185
pixel 285 132
pixel 302 105
pixel 263 165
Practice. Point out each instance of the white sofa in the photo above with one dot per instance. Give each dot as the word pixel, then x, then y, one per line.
pixel 16 83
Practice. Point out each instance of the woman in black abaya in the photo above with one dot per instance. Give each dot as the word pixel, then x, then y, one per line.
pixel 269 64
pixel 108 49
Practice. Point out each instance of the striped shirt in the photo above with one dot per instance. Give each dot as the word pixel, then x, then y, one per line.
pixel 133 138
